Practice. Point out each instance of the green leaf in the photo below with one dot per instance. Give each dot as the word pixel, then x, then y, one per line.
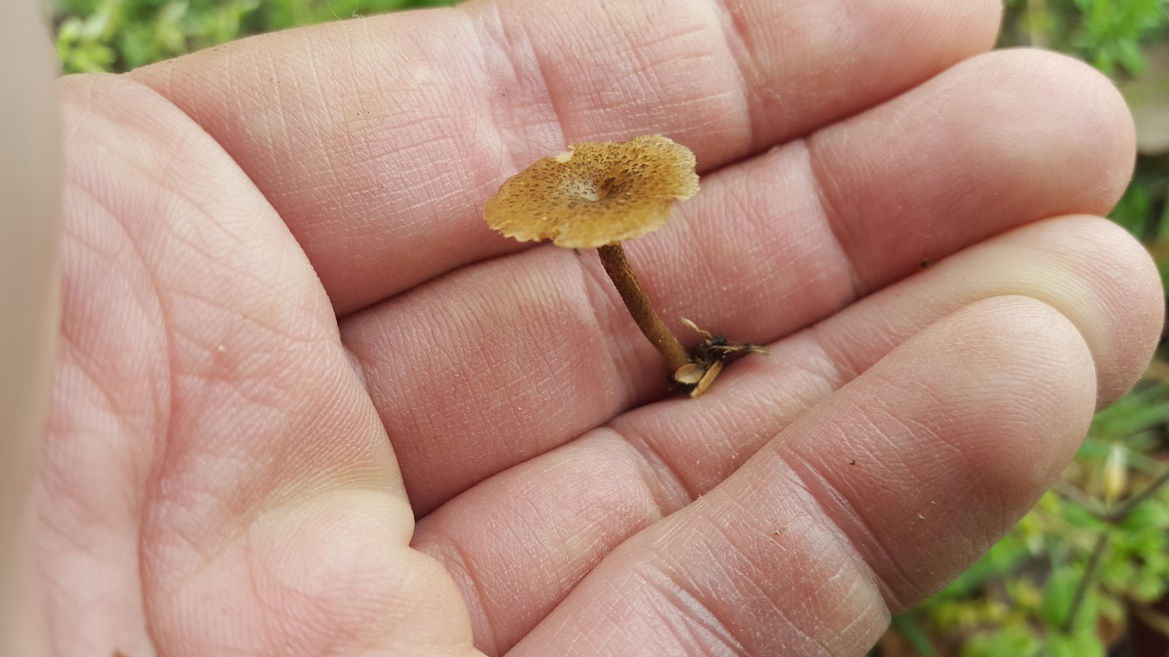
pixel 1010 641
pixel 1128 53
pixel 1078 517
pixel 1152 515
pixel 1132 211
pixel 1058 594
pixel 1140 410
pixel 1079 644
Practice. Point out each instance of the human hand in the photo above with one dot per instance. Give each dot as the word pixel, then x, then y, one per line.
pixel 307 403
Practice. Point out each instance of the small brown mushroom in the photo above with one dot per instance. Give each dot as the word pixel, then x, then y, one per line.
pixel 597 195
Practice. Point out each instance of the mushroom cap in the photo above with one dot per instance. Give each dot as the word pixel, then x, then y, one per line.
pixel 595 194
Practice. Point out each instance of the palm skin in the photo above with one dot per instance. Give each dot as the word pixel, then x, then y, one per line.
pixel 306 403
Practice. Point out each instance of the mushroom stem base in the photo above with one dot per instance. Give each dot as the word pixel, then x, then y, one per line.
pixel 667 344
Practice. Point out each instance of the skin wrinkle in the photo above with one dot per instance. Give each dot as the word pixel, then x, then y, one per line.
pixel 1023 277
pixel 587 536
pixel 448 552
pixel 72 502
pixel 834 532
pixel 704 262
pixel 558 369
pixel 495 31
pixel 890 597
pixel 851 509
pixel 648 490
pixel 666 488
pixel 718 200
pixel 178 582
pixel 519 295
pixel 738 46
pixel 165 410
pixel 177 237
pixel 609 99
pixel 72 354
pixel 831 215
pixel 689 606
pixel 297 587
pixel 839 365
pixel 645 73
pixel 116 261
pixel 289 619
pixel 845 268
pixel 268 620
pixel 155 171
pixel 87 375
pixel 310 75
pixel 524 71
pixel 750 578
pixel 688 587
pixel 292 132
pixel 664 470
pixel 403 174
pixel 62 600
pixel 299 484
pixel 71 337
pixel 854 619
pixel 816 363
pixel 610 317
pixel 752 70
pixel 827 496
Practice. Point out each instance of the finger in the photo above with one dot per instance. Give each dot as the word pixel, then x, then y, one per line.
pixel 962 190
pixel 542 348
pixel 379 140
pixel 881 494
pixel 29 207
pixel 214 474
pixel 541 526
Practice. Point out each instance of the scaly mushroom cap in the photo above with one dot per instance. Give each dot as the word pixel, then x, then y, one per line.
pixel 597 193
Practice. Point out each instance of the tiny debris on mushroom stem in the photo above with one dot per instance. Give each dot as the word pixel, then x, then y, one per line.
pixel 598 194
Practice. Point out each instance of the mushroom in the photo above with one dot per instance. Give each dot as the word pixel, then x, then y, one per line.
pixel 598 194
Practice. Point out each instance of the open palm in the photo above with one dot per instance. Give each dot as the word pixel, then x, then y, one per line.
pixel 307 403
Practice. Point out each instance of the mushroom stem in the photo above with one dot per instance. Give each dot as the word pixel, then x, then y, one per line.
pixel 667 344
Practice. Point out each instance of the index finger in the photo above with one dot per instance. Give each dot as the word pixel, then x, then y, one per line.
pixel 378 140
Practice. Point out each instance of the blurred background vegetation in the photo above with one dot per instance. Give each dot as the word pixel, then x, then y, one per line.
pixel 1086 573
